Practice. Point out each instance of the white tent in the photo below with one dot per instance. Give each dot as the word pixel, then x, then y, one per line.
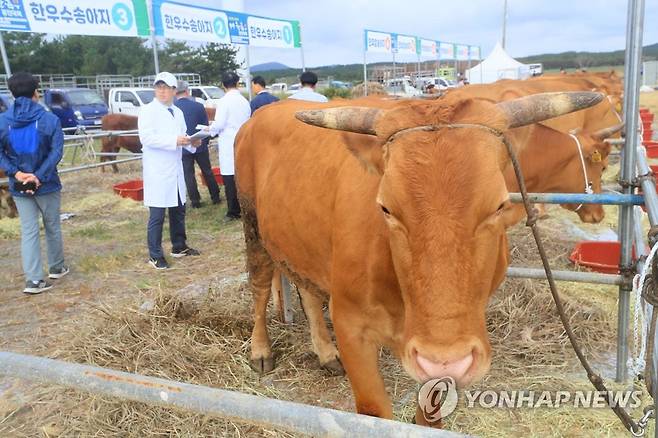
pixel 498 65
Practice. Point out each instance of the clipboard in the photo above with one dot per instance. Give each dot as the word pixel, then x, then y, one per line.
pixel 200 135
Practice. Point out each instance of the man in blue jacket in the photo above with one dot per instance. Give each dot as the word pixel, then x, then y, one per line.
pixel 263 97
pixel 31 145
pixel 195 114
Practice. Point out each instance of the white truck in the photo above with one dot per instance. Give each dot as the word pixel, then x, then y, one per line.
pixel 128 100
pixel 278 88
pixel 401 87
pixel 207 95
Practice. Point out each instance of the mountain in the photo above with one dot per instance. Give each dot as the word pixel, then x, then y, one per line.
pixel 268 66
pixel 569 60
pixel 587 59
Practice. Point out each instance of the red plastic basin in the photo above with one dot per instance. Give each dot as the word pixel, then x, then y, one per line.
pixel 646 126
pixel 647 135
pixel 131 189
pixel 644 110
pixel 218 177
pixel 646 117
pixel 598 256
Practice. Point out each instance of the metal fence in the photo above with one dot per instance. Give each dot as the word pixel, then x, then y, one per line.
pixel 259 411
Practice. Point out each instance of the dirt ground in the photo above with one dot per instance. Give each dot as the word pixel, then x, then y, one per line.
pixel 114 310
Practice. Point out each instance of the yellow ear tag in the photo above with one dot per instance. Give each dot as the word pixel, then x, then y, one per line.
pixel 596 157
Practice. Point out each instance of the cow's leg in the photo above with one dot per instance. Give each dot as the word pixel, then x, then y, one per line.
pixel 277 294
pixel 323 346
pixel 260 267
pixel 359 357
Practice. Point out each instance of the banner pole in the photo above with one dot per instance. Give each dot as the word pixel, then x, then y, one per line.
pixel 248 84
pixel 154 42
pixel 480 52
pixel 365 72
pixel 5 59
pixel 301 47
pixel 395 86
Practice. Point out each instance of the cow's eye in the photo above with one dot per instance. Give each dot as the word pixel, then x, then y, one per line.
pixel 503 205
pixel 385 210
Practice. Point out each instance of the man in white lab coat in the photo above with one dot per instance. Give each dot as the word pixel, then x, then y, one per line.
pixel 233 111
pixel 162 132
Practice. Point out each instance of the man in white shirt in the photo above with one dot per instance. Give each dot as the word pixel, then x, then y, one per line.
pixel 162 132
pixel 232 112
pixel 308 80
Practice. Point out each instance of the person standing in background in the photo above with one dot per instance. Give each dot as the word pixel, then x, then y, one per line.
pixel 262 96
pixel 31 146
pixel 309 80
pixel 162 132
pixel 195 114
pixel 233 111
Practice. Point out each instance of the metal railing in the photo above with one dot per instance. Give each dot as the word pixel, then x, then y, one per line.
pixel 231 405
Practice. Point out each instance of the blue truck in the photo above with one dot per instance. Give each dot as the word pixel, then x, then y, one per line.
pixel 76 106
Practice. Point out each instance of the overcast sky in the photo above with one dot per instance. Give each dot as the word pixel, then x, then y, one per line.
pixel 332 31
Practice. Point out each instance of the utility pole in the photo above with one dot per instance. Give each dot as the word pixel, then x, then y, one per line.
pixel 504 22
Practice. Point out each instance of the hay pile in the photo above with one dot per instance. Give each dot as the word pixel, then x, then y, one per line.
pixel 7 204
pixel 205 344
pixel 374 89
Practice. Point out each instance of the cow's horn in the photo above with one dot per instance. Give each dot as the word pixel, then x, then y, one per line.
pixel 348 118
pixel 604 133
pixel 538 107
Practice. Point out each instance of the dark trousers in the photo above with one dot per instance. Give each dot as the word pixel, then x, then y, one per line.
pixel 176 229
pixel 231 196
pixel 203 160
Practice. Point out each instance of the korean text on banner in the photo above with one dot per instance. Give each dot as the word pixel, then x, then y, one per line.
pixel 267 32
pixel 197 23
pixel 446 51
pixel 77 17
pixel 179 21
pixel 378 42
pixel 427 48
pixel 462 52
pixel 474 52
pixel 405 45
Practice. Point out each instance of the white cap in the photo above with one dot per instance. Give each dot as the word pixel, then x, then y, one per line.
pixel 167 78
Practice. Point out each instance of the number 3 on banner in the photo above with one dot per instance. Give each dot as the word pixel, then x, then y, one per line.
pixel 122 16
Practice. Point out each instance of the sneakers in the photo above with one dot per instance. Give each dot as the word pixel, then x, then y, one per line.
pixel 230 219
pixel 159 264
pixel 36 287
pixel 197 204
pixel 185 252
pixel 55 274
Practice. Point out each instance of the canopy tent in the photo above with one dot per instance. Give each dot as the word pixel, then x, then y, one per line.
pixel 498 65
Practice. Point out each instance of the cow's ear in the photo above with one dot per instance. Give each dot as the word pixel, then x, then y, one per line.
pixel 367 149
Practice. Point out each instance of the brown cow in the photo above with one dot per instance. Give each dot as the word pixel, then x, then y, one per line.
pixel 7 204
pixel 119 122
pixel 555 162
pixel 408 239
pixel 125 122
pixel 559 170
pixel 598 117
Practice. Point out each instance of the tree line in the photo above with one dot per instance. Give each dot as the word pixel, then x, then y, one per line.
pixel 92 55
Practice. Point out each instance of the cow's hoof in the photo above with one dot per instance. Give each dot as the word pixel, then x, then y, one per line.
pixel 262 365
pixel 334 367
